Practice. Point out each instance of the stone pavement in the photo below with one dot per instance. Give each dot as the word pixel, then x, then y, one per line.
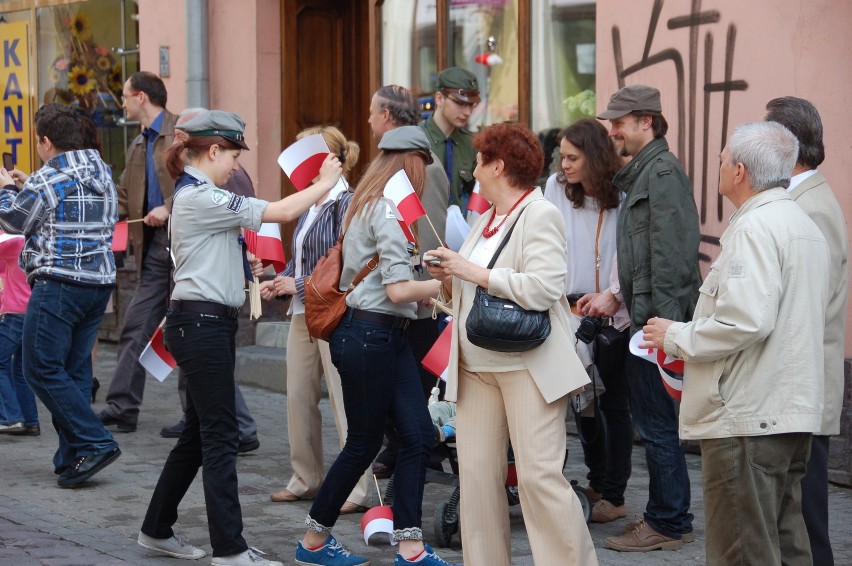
pixel 96 525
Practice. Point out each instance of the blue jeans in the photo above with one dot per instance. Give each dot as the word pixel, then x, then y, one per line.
pixel 205 349
pixel 380 379
pixel 17 402
pixel 655 418
pixel 60 329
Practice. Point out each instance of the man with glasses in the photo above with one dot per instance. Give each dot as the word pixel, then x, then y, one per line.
pixel 457 96
pixel 144 194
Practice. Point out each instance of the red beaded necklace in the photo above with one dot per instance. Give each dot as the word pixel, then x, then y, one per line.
pixel 487 232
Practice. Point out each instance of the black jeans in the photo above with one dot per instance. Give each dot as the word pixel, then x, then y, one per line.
pixel 379 378
pixel 608 446
pixel 204 348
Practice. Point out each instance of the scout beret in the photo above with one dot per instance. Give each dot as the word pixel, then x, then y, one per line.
pixel 633 98
pixel 217 123
pixel 459 84
pixel 405 138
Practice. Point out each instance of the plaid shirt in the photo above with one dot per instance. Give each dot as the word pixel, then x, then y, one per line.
pixel 67 210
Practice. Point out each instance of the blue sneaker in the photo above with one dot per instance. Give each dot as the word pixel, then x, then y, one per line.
pixel 331 553
pixel 428 559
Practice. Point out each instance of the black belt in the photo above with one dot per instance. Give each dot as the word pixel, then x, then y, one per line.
pixel 205 307
pixel 379 318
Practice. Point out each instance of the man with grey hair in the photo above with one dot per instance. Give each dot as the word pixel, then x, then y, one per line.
pixel 811 191
pixel 753 385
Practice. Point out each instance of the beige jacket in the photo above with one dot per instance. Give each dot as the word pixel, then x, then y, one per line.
pixel 753 351
pixel 816 199
pixel 531 272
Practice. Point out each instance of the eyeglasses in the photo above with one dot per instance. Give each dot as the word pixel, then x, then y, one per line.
pixel 457 102
pixel 125 97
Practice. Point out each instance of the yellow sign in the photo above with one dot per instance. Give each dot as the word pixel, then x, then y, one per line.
pixel 14 78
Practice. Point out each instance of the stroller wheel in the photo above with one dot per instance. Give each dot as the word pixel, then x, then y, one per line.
pixel 445 526
pixel 584 501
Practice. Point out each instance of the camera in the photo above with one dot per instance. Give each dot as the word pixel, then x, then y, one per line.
pixel 589 328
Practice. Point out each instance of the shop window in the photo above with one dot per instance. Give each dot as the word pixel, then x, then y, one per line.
pixel 85 53
pixel 563 67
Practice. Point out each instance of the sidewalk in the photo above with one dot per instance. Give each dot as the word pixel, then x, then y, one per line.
pixel 41 524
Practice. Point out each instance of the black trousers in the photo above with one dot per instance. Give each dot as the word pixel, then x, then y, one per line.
pixel 815 502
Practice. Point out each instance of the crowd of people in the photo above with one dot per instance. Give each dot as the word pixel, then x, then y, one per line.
pixel 610 244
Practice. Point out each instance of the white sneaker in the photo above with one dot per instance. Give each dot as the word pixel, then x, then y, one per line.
pixel 251 557
pixel 175 546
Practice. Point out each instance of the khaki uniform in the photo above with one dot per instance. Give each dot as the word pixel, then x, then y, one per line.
pixel 464 159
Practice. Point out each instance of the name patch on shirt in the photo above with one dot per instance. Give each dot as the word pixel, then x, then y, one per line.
pixel 736 271
pixel 236 203
pixel 389 213
pixel 219 196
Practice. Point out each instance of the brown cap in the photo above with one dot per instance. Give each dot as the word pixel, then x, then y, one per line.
pixel 633 98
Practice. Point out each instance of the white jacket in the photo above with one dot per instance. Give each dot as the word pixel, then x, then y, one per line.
pixel 753 351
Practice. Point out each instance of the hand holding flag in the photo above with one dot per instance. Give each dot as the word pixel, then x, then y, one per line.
pixel 266 245
pixel 400 191
pixel 303 159
pixel 155 358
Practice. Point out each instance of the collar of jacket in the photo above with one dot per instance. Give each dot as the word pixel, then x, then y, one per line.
pixel 627 175
pixel 758 200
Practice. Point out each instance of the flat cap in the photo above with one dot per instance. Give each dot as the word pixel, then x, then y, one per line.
pixel 217 123
pixel 405 138
pixel 633 98
pixel 459 84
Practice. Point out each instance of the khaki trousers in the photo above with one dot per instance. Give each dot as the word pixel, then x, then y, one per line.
pixel 492 409
pixel 307 362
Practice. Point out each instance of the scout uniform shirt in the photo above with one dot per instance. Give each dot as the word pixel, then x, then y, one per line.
pixel 206 225
pixel 464 160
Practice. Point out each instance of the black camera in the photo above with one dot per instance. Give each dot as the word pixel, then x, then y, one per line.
pixel 589 328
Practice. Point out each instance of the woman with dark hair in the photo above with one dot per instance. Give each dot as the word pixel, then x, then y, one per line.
pixel 378 373
pixel 520 397
pixel 201 325
pixel 583 192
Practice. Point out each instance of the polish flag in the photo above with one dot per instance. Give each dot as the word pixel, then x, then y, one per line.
pixel 156 359
pixel 302 160
pixel 266 245
pixel 119 237
pixel 437 360
pixel 477 202
pixel 671 370
pixel 401 193
pixel 376 524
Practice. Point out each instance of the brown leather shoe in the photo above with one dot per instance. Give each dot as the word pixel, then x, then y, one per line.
pixel 634 524
pixel 382 471
pixel 642 539
pixel 349 508
pixel 604 512
pixel 594 496
pixel 284 496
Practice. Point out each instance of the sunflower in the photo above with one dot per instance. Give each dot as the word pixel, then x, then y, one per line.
pixel 116 81
pixel 81 80
pixel 103 64
pixel 81 27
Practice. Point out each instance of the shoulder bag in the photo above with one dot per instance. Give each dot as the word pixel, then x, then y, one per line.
pixel 501 325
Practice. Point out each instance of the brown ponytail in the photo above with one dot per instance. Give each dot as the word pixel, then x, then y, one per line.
pixel 194 146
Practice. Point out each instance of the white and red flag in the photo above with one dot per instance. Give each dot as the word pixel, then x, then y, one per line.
pixel 155 358
pixel 477 202
pixel 266 245
pixel 437 359
pixel 671 370
pixel 377 525
pixel 303 159
pixel 400 191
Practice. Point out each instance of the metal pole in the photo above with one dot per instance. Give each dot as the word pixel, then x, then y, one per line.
pixel 197 64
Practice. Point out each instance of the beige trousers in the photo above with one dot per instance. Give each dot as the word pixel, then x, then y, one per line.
pixel 494 408
pixel 307 362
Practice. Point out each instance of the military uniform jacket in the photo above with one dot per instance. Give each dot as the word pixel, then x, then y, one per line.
pixel 464 158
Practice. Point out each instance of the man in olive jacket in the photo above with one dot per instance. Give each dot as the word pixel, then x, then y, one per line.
pixel 657 242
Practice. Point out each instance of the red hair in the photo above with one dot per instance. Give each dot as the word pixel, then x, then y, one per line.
pixel 519 149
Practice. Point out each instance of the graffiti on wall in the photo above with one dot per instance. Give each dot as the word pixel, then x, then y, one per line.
pixel 689 90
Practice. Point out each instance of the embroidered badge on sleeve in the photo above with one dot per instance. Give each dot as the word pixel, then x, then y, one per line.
pixel 236 203
pixel 219 196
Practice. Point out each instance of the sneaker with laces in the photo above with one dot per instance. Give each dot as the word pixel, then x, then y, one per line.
pixel 251 557
pixel 175 546
pixel 331 553
pixel 642 539
pixel 603 512
pixel 429 558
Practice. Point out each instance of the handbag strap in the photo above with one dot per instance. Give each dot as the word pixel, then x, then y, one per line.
pixel 371 265
pixel 598 254
pixel 508 235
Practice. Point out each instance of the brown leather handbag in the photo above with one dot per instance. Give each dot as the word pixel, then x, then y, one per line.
pixel 325 303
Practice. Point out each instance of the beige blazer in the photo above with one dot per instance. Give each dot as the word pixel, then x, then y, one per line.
pixel 531 272
pixel 818 201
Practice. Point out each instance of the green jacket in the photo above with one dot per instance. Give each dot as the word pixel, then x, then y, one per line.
pixel 657 237
pixel 464 159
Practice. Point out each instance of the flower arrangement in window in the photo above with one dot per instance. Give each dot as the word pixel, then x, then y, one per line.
pixel 84 74
pixel 581 105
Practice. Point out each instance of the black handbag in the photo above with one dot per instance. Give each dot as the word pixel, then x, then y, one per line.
pixel 502 325
pixel 610 350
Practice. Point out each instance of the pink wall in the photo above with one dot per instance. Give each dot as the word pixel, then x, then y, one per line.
pixel 775 48
pixel 245 77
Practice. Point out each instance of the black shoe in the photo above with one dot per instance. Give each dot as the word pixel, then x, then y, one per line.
pixel 121 425
pixel 248 446
pixel 33 430
pixel 85 467
pixel 96 384
pixel 173 431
